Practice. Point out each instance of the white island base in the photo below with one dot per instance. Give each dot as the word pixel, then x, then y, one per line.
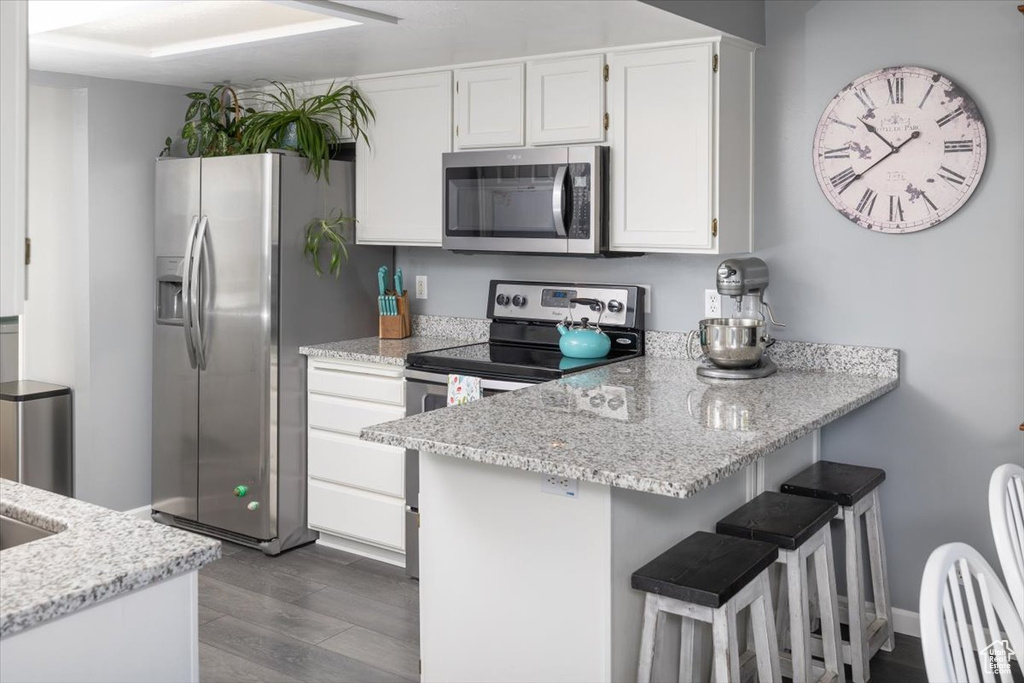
pixel 150 634
pixel 521 585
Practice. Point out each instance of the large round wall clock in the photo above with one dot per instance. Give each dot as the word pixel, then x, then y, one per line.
pixel 899 149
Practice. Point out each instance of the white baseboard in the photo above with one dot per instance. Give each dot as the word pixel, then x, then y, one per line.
pixel 144 512
pixel 365 549
pixel 903 620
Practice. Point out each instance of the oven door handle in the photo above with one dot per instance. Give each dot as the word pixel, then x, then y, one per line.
pixel 558 201
pixel 437 383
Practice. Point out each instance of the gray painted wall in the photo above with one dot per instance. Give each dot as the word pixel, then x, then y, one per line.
pixel 955 417
pixel 119 129
pixel 742 18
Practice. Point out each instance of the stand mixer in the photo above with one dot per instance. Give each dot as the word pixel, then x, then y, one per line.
pixel 735 345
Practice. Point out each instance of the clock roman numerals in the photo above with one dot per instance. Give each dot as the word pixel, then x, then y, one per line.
pixel 895 90
pixel 838 153
pixel 865 98
pixel 844 123
pixel 959 111
pixel 895 209
pixel 867 201
pixel 844 179
pixel 951 146
pixel 950 176
pixel 929 202
pixel 926 94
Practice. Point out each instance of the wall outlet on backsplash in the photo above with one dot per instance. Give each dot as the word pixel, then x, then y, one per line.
pixel 647 298
pixel 712 303
pixel 421 286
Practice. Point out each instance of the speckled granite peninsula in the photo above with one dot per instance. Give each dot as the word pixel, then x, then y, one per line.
pixel 94 554
pixel 671 436
pixel 429 333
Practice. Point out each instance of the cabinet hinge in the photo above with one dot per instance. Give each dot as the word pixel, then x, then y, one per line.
pixel 606 120
pixel 606 72
pixel 28 251
pixel 421 666
pixel 714 63
pixel 456 130
pixel 456 87
pixel 714 227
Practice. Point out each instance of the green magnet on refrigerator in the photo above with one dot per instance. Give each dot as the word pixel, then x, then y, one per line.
pixel 241 490
pixel 254 505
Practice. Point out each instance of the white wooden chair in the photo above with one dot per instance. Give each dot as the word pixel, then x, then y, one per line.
pixel 1006 511
pixel 962 641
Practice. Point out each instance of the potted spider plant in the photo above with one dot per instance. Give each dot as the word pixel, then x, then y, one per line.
pixel 310 125
pixel 326 235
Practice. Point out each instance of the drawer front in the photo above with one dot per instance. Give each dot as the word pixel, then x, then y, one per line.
pixel 348 416
pixel 390 389
pixel 357 514
pixel 344 459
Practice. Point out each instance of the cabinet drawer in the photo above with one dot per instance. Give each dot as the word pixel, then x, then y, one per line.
pixel 345 459
pixel 348 416
pixel 383 388
pixel 357 514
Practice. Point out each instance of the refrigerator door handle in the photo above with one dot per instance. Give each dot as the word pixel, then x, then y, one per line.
pixel 186 292
pixel 196 325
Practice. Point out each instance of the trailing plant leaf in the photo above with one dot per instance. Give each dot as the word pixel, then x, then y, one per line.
pixel 316 120
pixel 327 232
pixel 166 151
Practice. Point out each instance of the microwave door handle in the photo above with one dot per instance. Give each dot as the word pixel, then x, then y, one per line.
pixel 557 200
pixel 186 292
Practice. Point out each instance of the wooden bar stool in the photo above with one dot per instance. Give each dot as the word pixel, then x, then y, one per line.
pixel 800 528
pixel 855 490
pixel 710 578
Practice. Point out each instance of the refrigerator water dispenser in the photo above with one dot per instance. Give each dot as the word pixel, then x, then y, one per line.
pixel 169 305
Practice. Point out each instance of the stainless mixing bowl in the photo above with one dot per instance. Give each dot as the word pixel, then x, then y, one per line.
pixel 733 342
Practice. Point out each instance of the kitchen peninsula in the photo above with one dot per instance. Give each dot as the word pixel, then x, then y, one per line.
pixel 518 584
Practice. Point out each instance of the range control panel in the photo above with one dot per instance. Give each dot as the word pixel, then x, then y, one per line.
pixel 552 302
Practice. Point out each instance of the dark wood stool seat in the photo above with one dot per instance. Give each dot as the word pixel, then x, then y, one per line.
pixel 787 521
pixel 708 578
pixel 836 481
pixel 705 569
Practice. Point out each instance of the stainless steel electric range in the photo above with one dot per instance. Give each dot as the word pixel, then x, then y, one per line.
pixel 522 349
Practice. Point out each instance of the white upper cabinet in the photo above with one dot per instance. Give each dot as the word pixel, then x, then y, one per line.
pixel 489 107
pixel 398 177
pixel 565 101
pixel 681 158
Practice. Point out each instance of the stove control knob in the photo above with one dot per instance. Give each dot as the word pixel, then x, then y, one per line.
pixel 519 301
pixel 501 299
pixel 615 306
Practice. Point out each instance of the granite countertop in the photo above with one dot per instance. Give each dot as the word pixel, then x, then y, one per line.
pixel 375 350
pixel 96 554
pixel 429 333
pixel 648 424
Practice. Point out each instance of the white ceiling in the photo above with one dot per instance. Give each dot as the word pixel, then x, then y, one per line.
pixel 430 33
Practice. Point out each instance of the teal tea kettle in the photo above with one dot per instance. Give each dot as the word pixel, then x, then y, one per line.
pixel 583 339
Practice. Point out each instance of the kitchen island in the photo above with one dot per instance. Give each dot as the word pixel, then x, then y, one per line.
pixel 537 505
pixel 98 595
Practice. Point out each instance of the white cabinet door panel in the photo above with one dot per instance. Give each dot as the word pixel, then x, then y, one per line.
pixel 344 459
pixel 489 106
pixel 323 379
pixel 362 515
pixel 662 141
pixel 348 416
pixel 398 176
pixel 565 101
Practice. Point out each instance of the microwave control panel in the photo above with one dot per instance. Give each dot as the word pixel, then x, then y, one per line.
pixel 581 185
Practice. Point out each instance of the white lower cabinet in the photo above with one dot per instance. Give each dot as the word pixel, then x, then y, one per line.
pixel 356 492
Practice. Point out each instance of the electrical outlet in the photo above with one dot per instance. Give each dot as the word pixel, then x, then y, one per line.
pixel 712 303
pixel 421 286
pixel 647 298
pixel 560 486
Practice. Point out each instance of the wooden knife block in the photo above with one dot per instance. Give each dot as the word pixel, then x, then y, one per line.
pixel 397 326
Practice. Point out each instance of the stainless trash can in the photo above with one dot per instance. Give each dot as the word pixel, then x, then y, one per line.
pixel 35 435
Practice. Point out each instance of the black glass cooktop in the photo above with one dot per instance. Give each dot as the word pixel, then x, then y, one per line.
pixel 509 361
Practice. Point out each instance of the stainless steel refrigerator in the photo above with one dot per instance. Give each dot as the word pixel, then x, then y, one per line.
pixel 234 301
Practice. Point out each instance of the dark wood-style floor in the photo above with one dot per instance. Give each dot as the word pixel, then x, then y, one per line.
pixel 315 614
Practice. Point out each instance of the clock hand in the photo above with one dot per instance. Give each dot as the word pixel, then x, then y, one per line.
pixel 916 134
pixel 874 131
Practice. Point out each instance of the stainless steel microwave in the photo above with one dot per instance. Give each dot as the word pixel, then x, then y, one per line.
pixel 549 200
